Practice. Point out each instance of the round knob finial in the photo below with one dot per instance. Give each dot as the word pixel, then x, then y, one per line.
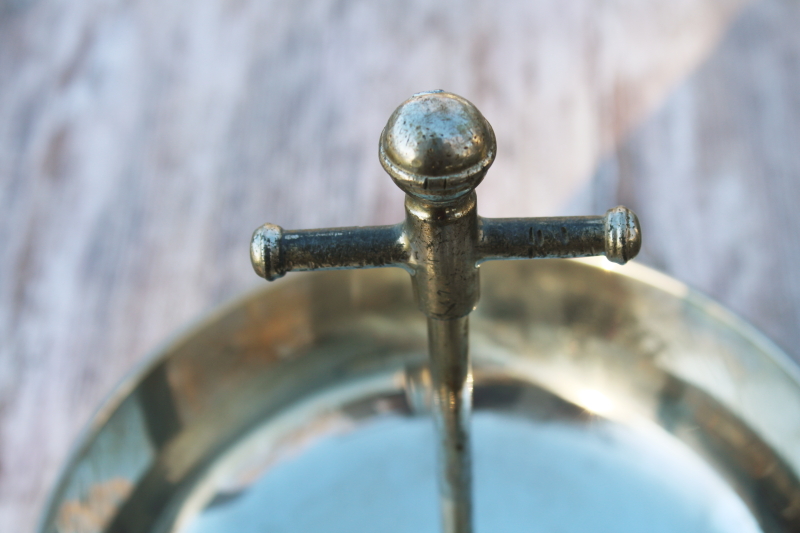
pixel 437 146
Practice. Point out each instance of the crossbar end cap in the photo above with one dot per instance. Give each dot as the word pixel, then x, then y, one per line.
pixel 623 235
pixel 265 252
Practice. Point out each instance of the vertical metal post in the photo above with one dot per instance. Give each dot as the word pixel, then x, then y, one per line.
pixel 451 374
pixel 437 147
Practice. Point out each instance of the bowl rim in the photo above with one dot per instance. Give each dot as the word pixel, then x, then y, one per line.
pixel 633 270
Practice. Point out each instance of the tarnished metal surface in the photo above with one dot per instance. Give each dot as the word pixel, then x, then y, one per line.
pixel 451 377
pixel 437 147
pixel 274 251
pixel 606 401
pixel 615 235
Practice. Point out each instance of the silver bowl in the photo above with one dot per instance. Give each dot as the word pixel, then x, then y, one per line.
pixel 607 400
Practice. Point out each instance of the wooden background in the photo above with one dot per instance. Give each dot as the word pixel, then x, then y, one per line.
pixel 142 141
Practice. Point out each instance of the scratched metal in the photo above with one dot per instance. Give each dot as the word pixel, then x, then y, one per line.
pixel 437 147
pixel 607 399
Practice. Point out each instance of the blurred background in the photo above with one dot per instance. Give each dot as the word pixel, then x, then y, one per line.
pixel 142 141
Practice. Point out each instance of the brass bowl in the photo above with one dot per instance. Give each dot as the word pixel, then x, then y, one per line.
pixel 607 400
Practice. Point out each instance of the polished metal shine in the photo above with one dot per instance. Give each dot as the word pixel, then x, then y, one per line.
pixel 610 400
pixel 437 147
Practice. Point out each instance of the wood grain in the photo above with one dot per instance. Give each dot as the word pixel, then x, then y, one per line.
pixel 141 142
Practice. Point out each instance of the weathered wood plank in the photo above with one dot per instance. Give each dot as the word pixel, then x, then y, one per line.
pixel 715 174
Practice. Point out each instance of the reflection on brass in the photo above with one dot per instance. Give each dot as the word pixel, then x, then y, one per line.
pixel 93 514
pixel 619 395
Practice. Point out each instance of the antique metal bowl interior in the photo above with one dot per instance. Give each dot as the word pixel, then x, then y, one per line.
pixel 606 401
